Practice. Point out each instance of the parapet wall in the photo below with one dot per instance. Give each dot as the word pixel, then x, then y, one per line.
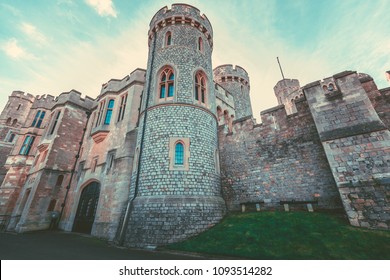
pixel 223 72
pixel 181 14
pixel 278 160
pixel 74 97
pixel 114 85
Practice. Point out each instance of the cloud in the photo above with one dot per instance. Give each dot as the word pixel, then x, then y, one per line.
pixel 103 7
pixel 15 51
pixel 32 32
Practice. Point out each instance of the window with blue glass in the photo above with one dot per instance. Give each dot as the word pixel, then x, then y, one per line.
pixel 38 119
pixel 179 153
pixel 167 84
pixel 27 144
pixel 110 107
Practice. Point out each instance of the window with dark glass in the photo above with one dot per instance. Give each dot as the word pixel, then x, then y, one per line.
pixel 200 44
pixel 110 107
pixel 27 144
pixel 167 82
pixel 100 112
pixel 179 154
pixel 122 107
pixel 168 39
pixel 53 127
pixel 200 88
pixel 38 119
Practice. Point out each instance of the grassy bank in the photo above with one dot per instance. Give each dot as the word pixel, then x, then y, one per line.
pixel 289 235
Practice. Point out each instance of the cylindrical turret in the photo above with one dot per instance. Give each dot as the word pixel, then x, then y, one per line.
pixel 236 81
pixel 176 181
pixel 286 91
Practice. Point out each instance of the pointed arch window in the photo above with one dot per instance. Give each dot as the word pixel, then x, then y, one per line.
pixel 110 107
pixel 168 38
pixel 179 153
pixel 167 84
pixel 37 122
pixel 200 88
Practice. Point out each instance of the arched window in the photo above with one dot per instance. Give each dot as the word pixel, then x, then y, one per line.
pixel 167 84
pixel 9 121
pixel 110 106
pixel 325 88
pixel 200 88
pixel 331 87
pixel 179 154
pixel 200 44
pixel 15 122
pixel 168 38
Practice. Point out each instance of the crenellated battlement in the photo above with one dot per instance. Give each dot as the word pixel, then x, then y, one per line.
pixel 116 85
pixel 181 14
pixel 23 95
pixel 45 101
pixel 230 73
pixel 74 97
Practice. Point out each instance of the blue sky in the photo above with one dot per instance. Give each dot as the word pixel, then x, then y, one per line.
pixel 53 46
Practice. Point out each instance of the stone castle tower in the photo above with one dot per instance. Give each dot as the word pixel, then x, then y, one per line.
pixel 236 81
pixel 176 187
pixel 287 91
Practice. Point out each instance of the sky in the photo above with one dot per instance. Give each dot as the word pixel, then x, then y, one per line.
pixel 54 46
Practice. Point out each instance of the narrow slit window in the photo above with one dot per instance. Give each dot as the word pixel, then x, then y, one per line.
pixel 110 107
pixel 200 88
pixel 55 123
pixel 179 154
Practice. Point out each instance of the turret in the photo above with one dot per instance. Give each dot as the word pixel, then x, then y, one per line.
pixel 236 81
pixel 286 92
pixel 176 182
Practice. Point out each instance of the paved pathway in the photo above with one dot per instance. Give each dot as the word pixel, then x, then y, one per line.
pixel 57 245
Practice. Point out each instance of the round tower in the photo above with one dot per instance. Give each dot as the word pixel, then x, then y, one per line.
pixel 236 81
pixel 14 114
pixel 286 91
pixel 176 191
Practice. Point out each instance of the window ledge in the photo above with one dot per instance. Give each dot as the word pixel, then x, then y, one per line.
pixel 100 133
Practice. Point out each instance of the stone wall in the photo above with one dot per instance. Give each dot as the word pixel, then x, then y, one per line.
pixel 357 145
pixel 280 159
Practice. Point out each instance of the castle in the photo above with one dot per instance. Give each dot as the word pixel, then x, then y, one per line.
pixel 164 153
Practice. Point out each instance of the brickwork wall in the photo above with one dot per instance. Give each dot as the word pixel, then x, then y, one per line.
pixel 280 159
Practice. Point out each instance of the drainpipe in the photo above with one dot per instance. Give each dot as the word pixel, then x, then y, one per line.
pixel 73 170
pixel 130 203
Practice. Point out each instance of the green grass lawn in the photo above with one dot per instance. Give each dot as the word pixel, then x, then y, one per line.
pixel 289 235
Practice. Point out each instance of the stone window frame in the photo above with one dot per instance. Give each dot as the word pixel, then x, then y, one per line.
pixel 110 161
pixel 173 141
pixel 200 89
pixel 168 39
pixel 38 119
pixel 217 162
pixel 200 45
pixel 122 106
pixel 109 111
pixel 100 111
pixel 94 164
pixel 54 123
pixel 27 145
pixel 166 70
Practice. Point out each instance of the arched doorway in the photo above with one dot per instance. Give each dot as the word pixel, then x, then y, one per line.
pixel 86 210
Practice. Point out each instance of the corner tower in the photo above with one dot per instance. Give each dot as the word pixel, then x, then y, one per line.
pixel 286 92
pixel 176 191
pixel 236 81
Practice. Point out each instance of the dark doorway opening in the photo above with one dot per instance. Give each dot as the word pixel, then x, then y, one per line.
pixel 86 210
